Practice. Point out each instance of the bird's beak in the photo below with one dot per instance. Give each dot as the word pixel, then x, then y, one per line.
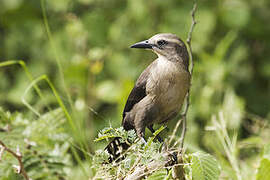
pixel 142 44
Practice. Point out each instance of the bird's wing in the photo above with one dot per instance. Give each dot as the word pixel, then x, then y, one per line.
pixel 139 90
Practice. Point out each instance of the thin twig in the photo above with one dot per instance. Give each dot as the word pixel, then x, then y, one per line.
pixel 18 156
pixel 184 118
pixel 184 115
pixel 178 172
pixel 140 171
pixel 174 131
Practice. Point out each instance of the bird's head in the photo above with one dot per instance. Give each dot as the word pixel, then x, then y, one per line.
pixel 166 45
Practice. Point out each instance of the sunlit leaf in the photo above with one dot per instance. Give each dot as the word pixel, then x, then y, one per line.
pixel 204 167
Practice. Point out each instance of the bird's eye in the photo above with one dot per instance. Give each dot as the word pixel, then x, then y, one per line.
pixel 161 42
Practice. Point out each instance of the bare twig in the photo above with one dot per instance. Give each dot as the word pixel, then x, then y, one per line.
pixel 184 115
pixel 175 130
pixel 184 118
pixel 19 169
pixel 140 172
pixel 178 172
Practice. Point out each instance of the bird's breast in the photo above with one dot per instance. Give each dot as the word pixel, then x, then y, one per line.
pixel 167 85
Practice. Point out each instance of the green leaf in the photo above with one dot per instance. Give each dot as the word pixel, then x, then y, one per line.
pixel 158 175
pixel 153 137
pixel 204 167
pixel 266 151
pixel 263 172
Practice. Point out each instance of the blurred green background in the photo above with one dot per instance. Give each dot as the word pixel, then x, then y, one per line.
pixel 90 40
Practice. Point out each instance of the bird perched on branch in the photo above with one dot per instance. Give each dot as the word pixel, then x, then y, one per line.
pixel 160 90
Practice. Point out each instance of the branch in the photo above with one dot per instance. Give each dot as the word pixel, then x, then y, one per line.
pixel 140 172
pixel 184 118
pixel 178 172
pixel 184 115
pixel 19 169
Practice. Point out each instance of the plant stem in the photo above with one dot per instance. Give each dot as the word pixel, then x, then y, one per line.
pixel 184 116
pixel 19 158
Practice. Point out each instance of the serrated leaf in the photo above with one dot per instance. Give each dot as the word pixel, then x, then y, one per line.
pixel 204 167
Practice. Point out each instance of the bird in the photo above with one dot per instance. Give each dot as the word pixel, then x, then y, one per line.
pixel 160 90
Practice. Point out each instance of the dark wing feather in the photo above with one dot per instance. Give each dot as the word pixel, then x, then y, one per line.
pixel 139 90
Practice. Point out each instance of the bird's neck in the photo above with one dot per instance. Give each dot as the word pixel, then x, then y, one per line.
pixel 176 59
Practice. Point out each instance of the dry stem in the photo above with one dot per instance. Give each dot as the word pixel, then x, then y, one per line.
pixel 184 117
pixel 178 170
pixel 18 156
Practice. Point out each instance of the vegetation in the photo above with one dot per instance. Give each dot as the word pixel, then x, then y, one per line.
pixel 66 71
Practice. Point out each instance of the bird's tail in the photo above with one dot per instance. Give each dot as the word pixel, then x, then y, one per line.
pixel 116 148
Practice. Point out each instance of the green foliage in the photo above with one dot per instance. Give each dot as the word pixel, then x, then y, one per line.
pixel 82 48
pixel 126 136
pixel 264 168
pixel 150 141
pixel 204 166
pixel 43 144
pixel 136 155
pixel 160 175
pixel 197 165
